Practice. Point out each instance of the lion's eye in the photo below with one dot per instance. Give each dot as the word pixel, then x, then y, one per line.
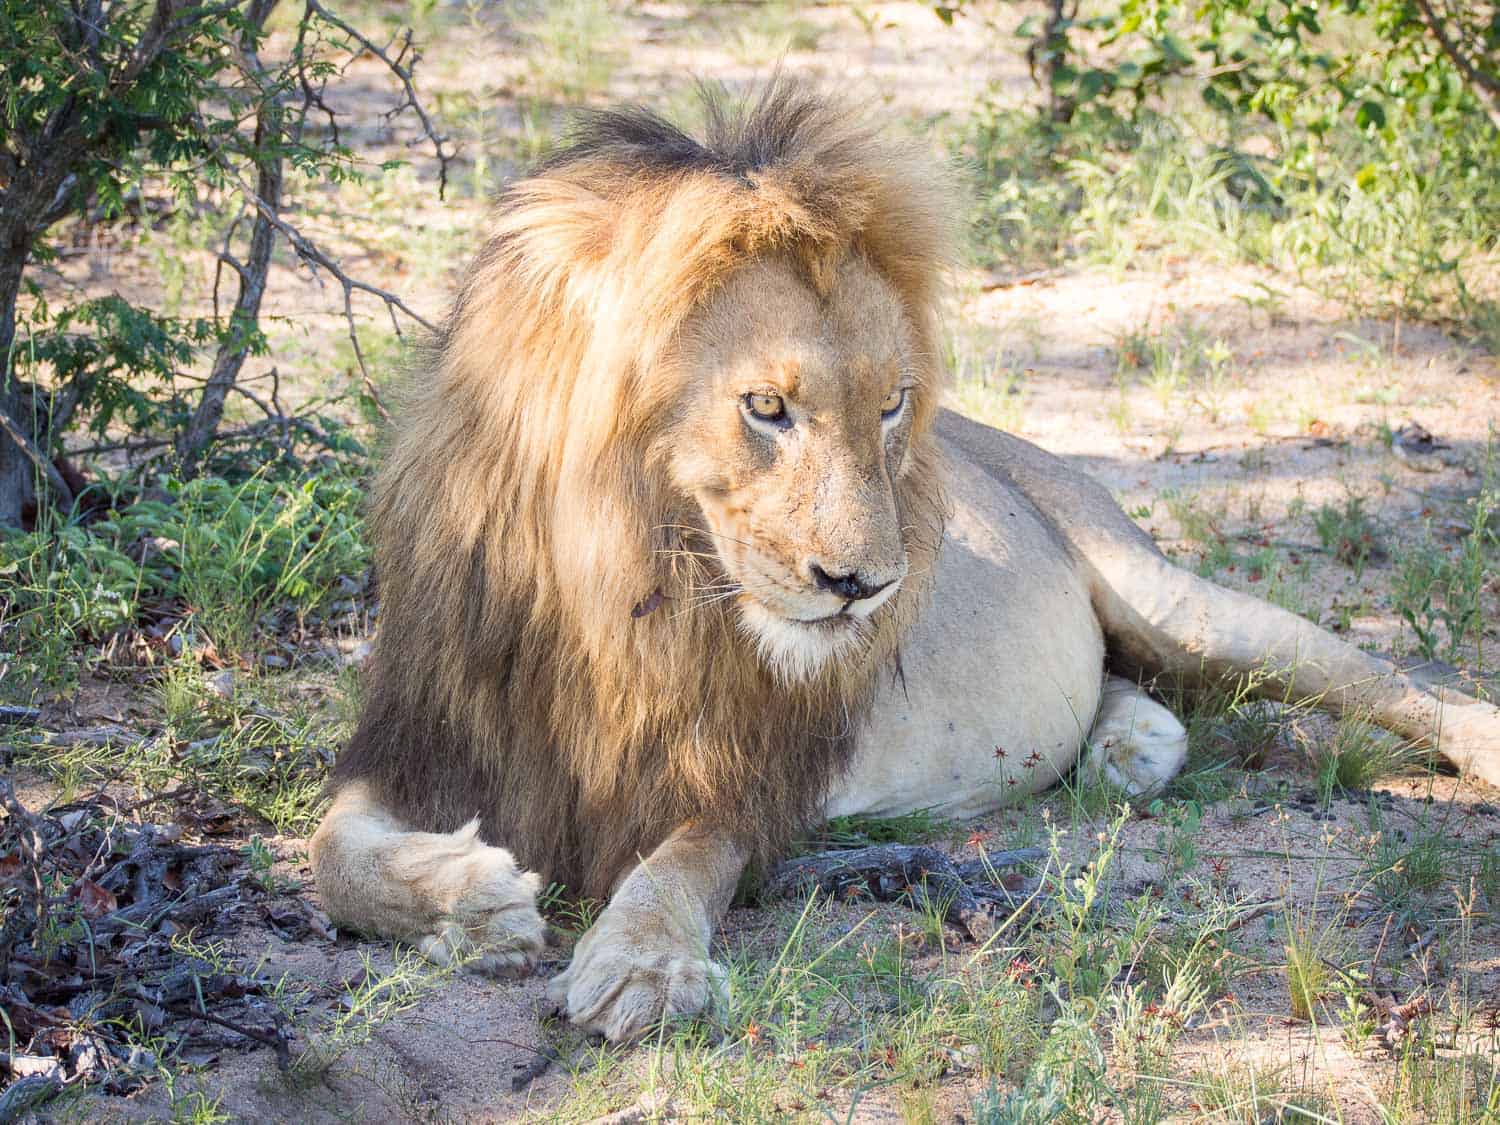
pixel 768 408
pixel 891 405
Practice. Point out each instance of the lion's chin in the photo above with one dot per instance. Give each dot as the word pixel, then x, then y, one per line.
pixel 797 651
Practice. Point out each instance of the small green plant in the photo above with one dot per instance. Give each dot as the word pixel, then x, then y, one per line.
pixel 1440 593
pixel 261 860
pixel 858 830
pixel 570 59
pixel 375 997
pixel 1177 840
pixel 1408 868
pixel 573 913
pixel 1358 755
pixel 1307 976
pixel 1348 533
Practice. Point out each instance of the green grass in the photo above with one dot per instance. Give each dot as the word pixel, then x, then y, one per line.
pixel 857 831
pixel 839 1009
pixel 218 555
pixel 1406 241
pixel 1358 755
pixel 1348 533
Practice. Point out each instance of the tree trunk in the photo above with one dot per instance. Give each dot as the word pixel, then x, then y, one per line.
pixel 245 319
pixel 17 473
pixel 246 315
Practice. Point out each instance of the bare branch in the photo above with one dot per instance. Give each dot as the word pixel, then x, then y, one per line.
pixel 401 66
pixel 269 123
pixel 317 259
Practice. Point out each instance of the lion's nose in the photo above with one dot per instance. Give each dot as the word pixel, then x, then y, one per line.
pixel 850 586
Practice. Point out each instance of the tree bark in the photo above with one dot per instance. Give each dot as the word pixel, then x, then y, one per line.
pixel 245 319
pixel 17 473
pixel 246 315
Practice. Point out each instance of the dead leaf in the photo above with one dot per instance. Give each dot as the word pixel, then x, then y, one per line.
pixel 93 899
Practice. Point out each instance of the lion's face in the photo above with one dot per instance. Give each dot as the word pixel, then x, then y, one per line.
pixel 795 429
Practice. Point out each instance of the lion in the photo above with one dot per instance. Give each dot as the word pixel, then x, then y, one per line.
pixel 679 551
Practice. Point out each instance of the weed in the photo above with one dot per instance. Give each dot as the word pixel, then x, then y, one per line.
pixel 1307 977
pixel 569 59
pixel 1348 532
pixel 376 997
pixel 1177 840
pixel 1407 867
pixel 857 831
pixel 984 386
pixel 1356 756
pixel 261 859
pixel 771 30
pixel 1240 1093
pixel 573 913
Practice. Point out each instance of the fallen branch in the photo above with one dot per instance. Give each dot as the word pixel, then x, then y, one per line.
pixel 276 1039
pixel 968 895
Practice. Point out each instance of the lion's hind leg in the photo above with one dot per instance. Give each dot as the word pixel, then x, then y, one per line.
pixel 449 894
pixel 1136 744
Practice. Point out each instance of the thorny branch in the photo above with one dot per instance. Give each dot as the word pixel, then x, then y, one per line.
pixel 402 66
pixel 317 259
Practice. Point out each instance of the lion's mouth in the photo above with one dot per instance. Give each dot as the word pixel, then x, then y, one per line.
pixel 843 619
pixel 798 648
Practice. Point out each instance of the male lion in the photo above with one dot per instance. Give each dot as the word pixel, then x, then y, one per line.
pixel 678 551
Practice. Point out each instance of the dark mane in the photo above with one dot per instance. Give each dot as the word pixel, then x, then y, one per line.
pixel 783 124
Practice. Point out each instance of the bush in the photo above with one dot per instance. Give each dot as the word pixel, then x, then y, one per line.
pixel 212 556
pixel 1358 149
pixel 144 110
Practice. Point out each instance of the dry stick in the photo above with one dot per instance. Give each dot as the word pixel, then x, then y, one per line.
pixel 404 74
pixel 928 878
pixel 276 1039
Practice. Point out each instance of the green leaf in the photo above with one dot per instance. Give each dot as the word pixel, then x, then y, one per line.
pixel 1370 115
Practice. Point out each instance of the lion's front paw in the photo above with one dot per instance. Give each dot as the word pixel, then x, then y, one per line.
pixel 627 976
pixel 501 944
pixel 480 906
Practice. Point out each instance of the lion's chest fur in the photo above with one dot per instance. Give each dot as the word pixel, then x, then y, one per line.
pixel 1001 677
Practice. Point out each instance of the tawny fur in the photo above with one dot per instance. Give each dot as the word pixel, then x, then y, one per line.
pixel 527 534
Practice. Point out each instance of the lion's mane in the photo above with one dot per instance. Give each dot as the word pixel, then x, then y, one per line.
pixel 538 663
